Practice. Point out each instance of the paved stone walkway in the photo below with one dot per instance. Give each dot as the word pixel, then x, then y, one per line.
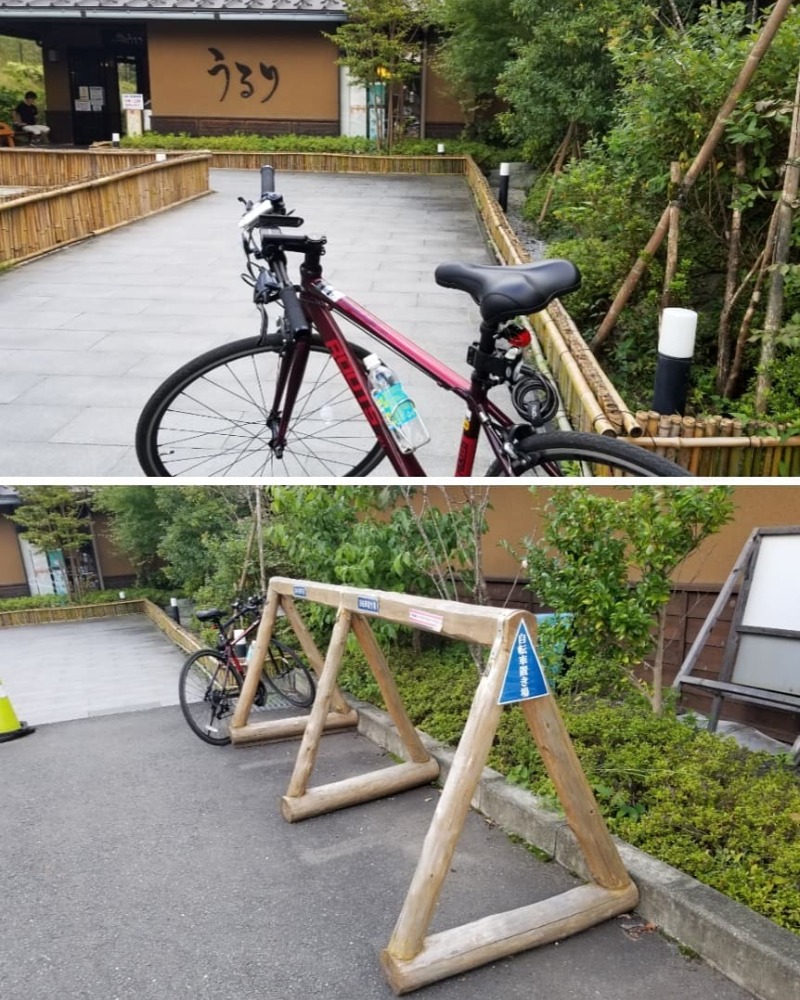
pixel 87 333
pixel 75 670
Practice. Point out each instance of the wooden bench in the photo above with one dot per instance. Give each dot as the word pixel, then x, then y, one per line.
pixel 7 135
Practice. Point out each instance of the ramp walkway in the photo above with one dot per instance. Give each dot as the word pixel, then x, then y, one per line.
pixel 87 333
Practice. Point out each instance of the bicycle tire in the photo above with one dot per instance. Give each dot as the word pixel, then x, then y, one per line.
pixel 620 457
pixel 209 689
pixel 208 418
pixel 287 674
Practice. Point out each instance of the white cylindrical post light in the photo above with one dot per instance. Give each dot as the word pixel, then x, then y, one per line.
pixel 675 351
pixel 502 191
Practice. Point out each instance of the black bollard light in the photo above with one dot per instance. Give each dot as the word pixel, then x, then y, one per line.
pixel 502 191
pixel 675 350
pixel 174 610
pixel 115 139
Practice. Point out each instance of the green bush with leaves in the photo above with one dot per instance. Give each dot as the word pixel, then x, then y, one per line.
pixel 160 597
pixel 605 563
pixel 486 156
pixel 700 802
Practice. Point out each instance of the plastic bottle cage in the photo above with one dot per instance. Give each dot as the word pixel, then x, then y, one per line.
pixel 413 958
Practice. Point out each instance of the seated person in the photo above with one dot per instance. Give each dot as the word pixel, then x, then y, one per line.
pixel 25 117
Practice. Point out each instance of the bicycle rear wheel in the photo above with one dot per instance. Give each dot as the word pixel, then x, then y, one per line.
pixel 209 689
pixel 209 418
pixel 561 453
pixel 287 674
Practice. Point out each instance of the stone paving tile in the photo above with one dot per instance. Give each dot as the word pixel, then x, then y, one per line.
pixel 71 670
pixel 139 302
pixel 101 425
pixel 70 362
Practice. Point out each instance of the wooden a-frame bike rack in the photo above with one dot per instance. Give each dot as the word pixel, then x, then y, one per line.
pixel 513 674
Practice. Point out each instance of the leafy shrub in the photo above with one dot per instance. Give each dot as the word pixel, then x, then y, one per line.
pixel 90 597
pixel 700 802
pixel 487 157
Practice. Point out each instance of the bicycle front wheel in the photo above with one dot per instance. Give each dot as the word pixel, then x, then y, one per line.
pixel 210 417
pixel 287 674
pixel 563 453
pixel 209 689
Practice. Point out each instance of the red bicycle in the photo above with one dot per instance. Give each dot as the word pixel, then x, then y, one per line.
pixel 298 402
pixel 211 679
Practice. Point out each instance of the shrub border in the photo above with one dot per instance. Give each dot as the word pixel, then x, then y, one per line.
pixel 749 949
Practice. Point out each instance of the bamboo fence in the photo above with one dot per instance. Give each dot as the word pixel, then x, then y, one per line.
pixel 37 223
pixel 75 613
pixel 25 167
pixel 343 163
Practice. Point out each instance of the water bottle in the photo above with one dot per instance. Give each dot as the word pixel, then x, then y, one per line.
pixel 397 409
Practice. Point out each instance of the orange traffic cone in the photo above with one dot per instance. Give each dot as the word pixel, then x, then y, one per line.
pixel 10 726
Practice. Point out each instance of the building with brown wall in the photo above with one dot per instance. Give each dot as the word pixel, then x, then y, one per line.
pixel 204 67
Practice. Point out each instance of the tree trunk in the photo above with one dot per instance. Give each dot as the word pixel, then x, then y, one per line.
pixel 262 574
pixel 783 238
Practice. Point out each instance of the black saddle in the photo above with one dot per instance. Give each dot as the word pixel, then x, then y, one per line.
pixel 505 292
pixel 212 615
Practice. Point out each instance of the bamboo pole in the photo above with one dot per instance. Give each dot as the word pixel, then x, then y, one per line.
pixel 780 256
pixel 673 235
pixel 759 49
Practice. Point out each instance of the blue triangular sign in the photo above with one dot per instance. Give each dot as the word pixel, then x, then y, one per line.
pixel 524 675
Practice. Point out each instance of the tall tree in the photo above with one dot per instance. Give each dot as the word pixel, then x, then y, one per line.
pixel 56 519
pixel 136 525
pixel 476 41
pixel 380 45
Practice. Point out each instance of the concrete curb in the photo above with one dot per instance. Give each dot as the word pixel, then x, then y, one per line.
pixel 747 948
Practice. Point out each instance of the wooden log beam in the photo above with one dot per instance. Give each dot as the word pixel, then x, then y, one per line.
pixel 307 754
pixel 361 788
pixel 391 696
pixel 451 618
pixel 454 951
pixel 273 730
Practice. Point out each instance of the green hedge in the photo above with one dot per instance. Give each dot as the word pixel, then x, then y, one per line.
pixel 700 802
pixel 487 157
pixel 91 597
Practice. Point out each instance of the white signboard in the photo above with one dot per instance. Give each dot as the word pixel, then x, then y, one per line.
pixel 133 102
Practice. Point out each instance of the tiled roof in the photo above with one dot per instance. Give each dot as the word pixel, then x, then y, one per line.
pixel 146 8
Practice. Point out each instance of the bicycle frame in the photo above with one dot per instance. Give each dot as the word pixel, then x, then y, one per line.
pixel 229 645
pixel 320 301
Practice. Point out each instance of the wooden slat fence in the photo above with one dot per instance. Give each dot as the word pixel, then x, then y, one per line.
pixel 58 167
pixel 35 224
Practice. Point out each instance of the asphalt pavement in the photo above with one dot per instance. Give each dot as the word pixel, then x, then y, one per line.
pixel 139 863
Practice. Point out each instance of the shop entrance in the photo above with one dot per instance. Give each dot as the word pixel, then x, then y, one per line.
pixel 96 78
